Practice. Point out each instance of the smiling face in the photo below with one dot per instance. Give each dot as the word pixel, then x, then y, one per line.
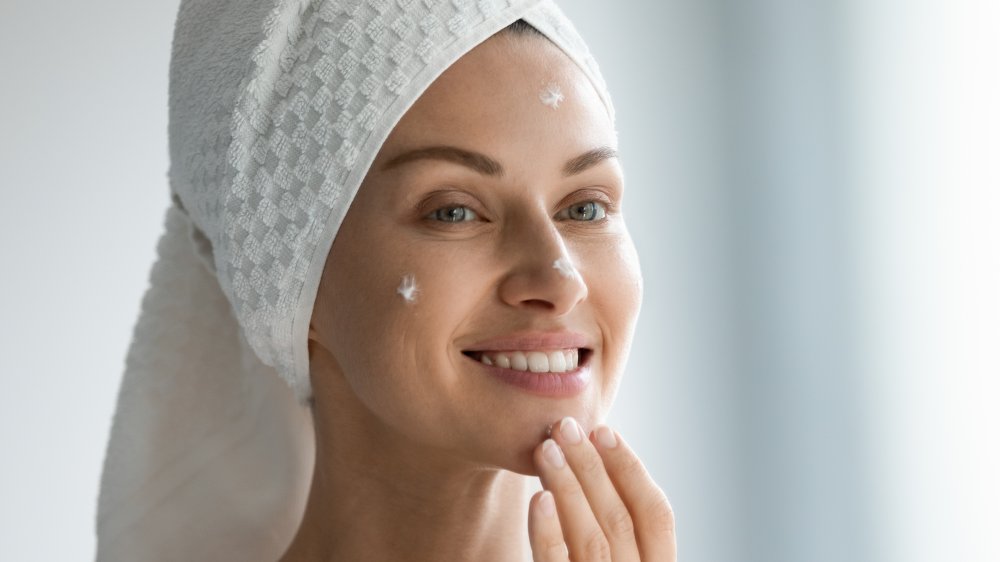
pixel 488 230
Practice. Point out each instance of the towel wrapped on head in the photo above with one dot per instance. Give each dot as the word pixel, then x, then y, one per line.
pixel 277 109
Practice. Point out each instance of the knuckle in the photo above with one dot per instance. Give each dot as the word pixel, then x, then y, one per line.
pixel 632 467
pixel 572 492
pixel 553 549
pixel 592 464
pixel 619 522
pixel 661 516
pixel 596 547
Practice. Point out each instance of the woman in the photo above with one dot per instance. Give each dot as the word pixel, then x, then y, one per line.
pixel 476 292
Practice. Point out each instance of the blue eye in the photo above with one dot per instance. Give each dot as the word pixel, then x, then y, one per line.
pixel 587 211
pixel 454 214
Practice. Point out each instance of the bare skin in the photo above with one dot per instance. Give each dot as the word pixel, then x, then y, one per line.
pixel 421 453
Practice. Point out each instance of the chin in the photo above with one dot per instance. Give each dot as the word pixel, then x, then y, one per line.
pixel 523 464
pixel 515 453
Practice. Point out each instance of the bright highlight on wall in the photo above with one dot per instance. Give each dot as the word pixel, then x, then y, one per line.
pixel 926 157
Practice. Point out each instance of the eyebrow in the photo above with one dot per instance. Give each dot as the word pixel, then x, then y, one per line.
pixel 490 167
pixel 589 159
pixel 478 162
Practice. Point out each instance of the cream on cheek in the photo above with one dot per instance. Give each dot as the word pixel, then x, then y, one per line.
pixel 408 288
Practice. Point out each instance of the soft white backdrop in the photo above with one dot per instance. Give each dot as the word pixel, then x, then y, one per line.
pixel 813 187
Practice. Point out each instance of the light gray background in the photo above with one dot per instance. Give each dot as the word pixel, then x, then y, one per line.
pixel 814 190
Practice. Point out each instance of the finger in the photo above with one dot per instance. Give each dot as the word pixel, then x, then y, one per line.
pixel 651 512
pixel 605 502
pixel 583 535
pixel 544 532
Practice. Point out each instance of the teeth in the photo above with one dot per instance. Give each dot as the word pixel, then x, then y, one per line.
pixel 538 362
pixel 558 361
pixel 502 361
pixel 518 361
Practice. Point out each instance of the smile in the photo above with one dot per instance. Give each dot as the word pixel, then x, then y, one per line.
pixel 558 373
pixel 536 361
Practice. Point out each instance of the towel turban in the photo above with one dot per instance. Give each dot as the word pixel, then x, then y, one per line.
pixel 277 109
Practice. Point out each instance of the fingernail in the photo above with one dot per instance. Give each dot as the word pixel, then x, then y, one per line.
pixel 606 438
pixel 547 504
pixel 570 431
pixel 552 454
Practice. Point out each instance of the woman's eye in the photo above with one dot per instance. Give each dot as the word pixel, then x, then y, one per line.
pixel 587 211
pixel 454 214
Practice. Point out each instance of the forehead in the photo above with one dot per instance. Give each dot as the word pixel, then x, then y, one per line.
pixel 491 100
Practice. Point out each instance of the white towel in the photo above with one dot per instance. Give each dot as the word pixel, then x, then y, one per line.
pixel 277 109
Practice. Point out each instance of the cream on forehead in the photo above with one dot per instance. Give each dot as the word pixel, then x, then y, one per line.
pixel 551 95
pixel 408 288
pixel 565 267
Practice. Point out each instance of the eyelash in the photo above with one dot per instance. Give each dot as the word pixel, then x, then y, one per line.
pixel 602 209
pixel 436 215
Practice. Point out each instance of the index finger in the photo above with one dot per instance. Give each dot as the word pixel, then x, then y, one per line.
pixel 652 515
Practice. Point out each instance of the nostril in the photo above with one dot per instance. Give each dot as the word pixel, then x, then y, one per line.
pixel 540 304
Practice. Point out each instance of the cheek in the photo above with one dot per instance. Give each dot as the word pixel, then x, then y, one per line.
pixel 614 282
pixel 396 353
pixel 615 293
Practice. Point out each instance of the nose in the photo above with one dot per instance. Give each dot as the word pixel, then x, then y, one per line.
pixel 535 281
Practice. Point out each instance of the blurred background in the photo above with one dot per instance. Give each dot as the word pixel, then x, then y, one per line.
pixel 814 188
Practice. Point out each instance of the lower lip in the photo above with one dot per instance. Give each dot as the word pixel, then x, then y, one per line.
pixel 549 385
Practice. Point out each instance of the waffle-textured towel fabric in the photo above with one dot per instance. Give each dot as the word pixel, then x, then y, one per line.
pixel 277 109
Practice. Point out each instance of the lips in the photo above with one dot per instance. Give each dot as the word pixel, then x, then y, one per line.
pixel 553 364
pixel 537 352
pixel 542 361
pixel 532 341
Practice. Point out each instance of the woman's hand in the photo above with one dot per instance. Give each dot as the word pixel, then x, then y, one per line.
pixel 599 502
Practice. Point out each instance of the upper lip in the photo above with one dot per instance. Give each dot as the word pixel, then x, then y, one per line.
pixel 525 341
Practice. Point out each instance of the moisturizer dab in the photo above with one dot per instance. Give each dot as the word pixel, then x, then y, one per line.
pixel 565 267
pixel 408 288
pixel 552 95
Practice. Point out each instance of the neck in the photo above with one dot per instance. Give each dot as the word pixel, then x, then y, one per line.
pixel 376 497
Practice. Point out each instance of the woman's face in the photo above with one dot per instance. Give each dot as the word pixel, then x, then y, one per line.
pixel 485 184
